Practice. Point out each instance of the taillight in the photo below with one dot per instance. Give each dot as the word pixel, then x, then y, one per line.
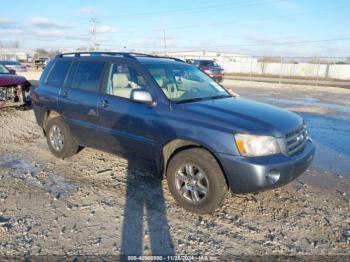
pixel 206 70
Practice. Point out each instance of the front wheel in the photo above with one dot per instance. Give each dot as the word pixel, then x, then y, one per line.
pixel 196 181
pixel 59 139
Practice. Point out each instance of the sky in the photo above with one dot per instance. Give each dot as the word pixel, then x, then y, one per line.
pixel 255 27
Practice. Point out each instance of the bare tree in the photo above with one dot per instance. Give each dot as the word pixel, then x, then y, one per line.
pixel 270 59
pixel 45 53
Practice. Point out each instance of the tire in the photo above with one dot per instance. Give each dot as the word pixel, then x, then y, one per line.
pixel 213 180
pixel 68 147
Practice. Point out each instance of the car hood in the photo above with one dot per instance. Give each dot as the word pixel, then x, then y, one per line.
pixel 243 115
pixel 9 80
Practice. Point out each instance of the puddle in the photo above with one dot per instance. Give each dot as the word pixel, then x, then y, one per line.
pixel 22 169
pixel 332 138
pixel 311 102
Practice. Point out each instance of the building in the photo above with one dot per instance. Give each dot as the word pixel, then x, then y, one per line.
pixel 13 54
pixel 219 57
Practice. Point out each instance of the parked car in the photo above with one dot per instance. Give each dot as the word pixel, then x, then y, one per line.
pixel 14 65
pixel 12 86
pixel 41 62
pixel 8 77
pixel 211 68
pixel 199 137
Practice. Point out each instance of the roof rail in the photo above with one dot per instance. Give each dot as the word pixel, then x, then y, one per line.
pixel 157 56
pixel 81 54
pixel 124 54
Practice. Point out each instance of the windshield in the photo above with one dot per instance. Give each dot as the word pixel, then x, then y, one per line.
pixel 185 83
pixel 3 70
pixel 208 63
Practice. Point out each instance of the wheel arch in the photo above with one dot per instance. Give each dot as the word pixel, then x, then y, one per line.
pixel 47 116
pixel 171 148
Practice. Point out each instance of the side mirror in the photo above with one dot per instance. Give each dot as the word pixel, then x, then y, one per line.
pixel 142 96
pixel 12 71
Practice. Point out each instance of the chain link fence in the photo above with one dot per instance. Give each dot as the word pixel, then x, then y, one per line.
pixel 280 69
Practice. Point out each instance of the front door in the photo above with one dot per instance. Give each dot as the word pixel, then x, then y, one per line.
pixel 127 127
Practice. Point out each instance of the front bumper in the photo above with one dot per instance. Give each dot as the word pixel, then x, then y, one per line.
pixel 246 175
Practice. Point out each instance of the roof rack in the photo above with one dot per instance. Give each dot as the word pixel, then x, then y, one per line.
pixel 123 54
pixel 157 56
pixel 82 54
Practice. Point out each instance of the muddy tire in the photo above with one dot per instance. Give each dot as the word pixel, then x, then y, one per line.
pixel 59 139
pixel 196 181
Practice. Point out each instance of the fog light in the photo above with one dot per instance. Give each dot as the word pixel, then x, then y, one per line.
pixel 273 177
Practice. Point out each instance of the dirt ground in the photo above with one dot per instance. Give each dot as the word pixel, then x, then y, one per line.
pixel 100 204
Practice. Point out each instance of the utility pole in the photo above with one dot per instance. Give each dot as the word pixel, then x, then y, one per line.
pixel 93 22
pixel 164 39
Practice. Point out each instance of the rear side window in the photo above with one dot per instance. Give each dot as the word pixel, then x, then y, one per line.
pixel 88 76
pixel 58 73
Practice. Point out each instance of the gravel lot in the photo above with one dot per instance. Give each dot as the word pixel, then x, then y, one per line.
pixel 97 203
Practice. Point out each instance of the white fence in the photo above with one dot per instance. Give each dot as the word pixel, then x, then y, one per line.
pixel 283 67
pixel 327 71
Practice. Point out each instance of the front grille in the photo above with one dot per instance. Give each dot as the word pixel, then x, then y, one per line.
pixel 296 140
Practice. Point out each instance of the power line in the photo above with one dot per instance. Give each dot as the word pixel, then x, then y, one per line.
pixel 264 44
pixel 198 9
pixel 243 21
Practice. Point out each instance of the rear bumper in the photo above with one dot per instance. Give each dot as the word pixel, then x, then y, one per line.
pixel 247 175
pixel 39 115
pixel 218 77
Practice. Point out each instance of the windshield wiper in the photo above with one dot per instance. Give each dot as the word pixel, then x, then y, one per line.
pixel 190 100
pixel 220 96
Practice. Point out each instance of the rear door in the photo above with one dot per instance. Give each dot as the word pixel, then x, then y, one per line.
pixel 79 97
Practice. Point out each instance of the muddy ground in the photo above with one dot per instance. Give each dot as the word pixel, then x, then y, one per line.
pixel 97 203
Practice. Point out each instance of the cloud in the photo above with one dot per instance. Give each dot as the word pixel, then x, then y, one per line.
pixel 87 10
pixel 288 6
pixel 58 34
pixel 106 29
pixel 43 22
pixel 33 34
pixel 11 32
pixel 6 22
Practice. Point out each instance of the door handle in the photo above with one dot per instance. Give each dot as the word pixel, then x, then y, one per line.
pixel 104 104
pixel 64 93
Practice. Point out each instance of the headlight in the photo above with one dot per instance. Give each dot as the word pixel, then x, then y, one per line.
pixel 251 145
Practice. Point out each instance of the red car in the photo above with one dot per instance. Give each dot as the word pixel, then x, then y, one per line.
pixel 12 85
pixel 211 68
pixel 9 77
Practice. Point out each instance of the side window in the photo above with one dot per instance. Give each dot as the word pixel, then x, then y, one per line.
pixel 88 76
pixel 58 73
pixel 122 79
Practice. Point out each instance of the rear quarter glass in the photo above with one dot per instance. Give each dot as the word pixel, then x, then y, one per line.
pixel 58 73
pixel 46 72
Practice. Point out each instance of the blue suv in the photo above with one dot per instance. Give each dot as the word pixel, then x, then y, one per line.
pixel 202 139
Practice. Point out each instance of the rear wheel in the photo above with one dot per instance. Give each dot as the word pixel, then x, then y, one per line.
pixel 196 180
pixel 59 139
